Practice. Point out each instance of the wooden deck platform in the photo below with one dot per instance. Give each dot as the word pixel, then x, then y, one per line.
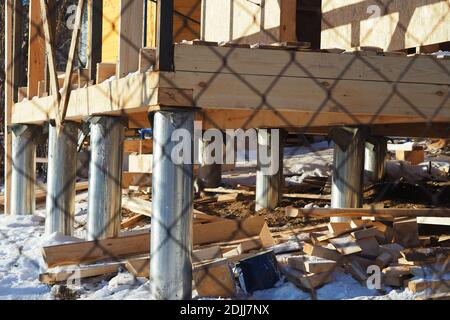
pixel 249 87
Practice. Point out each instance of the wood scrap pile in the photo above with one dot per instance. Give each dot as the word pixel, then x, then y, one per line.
pixel 355 247
pixel 217 244
pixel 231 257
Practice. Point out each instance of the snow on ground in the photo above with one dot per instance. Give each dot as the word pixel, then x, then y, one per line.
pixel 20 257
pixel 317 161
pixel 22 237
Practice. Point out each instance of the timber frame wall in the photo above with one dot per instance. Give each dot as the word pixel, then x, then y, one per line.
pixel 278 85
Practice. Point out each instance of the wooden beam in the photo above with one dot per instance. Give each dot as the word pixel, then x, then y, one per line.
pixel 127 246
pixel 311 64
pixel 139 146
pixel 41 191
pixel 79 272
pixel 285 195
pixel 299 81
pixel 323 93
pixel 398 24
pixel 51 61
pixel 36 52
pixel 21 93
pixel 144 207
pixel 139 179
pixel 363 212
pixel 147 59
pixel 139 267
pixel 66 89
pixel 132 221
pixel 122 96
pixel 131 33
pixel 9 61
pixel 105 70
pixel 245 21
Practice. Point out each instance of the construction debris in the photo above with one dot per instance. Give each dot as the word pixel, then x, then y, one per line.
pixel 236 253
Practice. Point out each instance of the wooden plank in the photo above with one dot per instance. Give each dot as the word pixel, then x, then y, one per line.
pixel 132 221
pixel 228 230
pixel 367 212
pixel 127 246
pixel 51 61
pixel 139 267
pixel 434 221
pixel 398 24
pixel 144 207
pixel 345 245
pixel 139 146
pixel 9 39
pixel 311 264
pixel 406 232
pixel 369 247
pixel 393 249
pixel 322 252
pixel 147 59
pixel 362 93
pixel 21 93
pixel 305 94
pixel 228 197
pixel 317 65
pixel 131 36
pixel 139 179
pixel 66 89
pixel 79 272
pixel 186 20
pixel 249 245
pixel 315 123
pixel 249 21
pixel 36 53
pixel 186 25
pixel 19 59
pixel 425 254
pixel 205 254
pixel 436 285
pixel 339 227
pixel 91 251
pixel 303 280
pixel 105 70
pixel 214 279
pixel 122 96
pixel 366 233
pixel 41 191
pixel 286 195
pixel 140 163
pixel 137 205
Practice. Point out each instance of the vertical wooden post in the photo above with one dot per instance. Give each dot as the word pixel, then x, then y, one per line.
pixel 51 8
pixel 36 52
pixel 18 78
pixel 95 36
pixel 164 35
pixel 69 67
pixel 9 37
pixel 130 32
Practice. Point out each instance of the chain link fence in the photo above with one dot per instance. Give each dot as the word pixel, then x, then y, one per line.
pixel 252 77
